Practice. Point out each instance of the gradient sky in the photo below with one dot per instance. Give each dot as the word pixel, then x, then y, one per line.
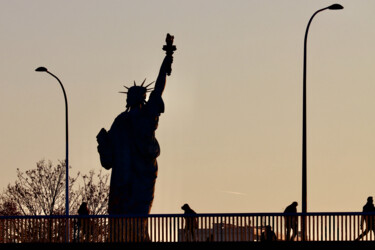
pixel 231 134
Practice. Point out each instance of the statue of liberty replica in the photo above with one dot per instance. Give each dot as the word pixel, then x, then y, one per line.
pixel 130 149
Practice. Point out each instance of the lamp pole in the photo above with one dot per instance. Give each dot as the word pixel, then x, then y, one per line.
pixel 304 148
pixel 43 69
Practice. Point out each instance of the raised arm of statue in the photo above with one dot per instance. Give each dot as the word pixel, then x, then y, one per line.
pixel 162 77
pixel 166 66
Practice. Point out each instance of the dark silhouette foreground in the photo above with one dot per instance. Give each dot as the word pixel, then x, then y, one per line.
pixel 191 223
pixel 82 224
pixel 291 222
pixel 268 234
pixel 367 220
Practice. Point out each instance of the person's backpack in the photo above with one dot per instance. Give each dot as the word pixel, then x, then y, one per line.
pixel 105 149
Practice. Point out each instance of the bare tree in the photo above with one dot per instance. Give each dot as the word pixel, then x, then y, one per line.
pixel 41 191
pixel 95 192
pixel 8 208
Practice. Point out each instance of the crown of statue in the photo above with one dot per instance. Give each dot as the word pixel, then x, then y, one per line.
pixel 140 88
pixel 136 94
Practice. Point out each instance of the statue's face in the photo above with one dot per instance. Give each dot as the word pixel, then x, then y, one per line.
pixel 136 96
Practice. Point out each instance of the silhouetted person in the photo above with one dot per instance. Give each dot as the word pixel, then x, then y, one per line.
pixel 83 223
pixel 130 147
pixel 291 222
pixel 367 219
pixel 268 234
pixel 191 223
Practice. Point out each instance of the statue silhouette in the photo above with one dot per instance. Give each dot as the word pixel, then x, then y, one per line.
pixel 130 147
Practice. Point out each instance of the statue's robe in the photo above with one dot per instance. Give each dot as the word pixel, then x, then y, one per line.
pixel 134 165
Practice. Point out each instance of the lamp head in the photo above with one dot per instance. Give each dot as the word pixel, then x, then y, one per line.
pixel 336 6
pixel 41 69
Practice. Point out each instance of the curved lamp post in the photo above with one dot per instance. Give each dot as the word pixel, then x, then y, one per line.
pixel 304 158
pixel 43 69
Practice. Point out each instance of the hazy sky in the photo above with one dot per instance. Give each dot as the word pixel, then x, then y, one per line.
pixel 231 134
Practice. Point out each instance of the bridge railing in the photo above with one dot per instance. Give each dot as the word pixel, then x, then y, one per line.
pixel 181 228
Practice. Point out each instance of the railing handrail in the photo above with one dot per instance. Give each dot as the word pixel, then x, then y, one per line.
pixel 191 215
pixel 215 227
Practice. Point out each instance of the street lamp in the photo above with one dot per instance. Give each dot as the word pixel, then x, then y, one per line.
pixel 43 69
pixel 304 158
